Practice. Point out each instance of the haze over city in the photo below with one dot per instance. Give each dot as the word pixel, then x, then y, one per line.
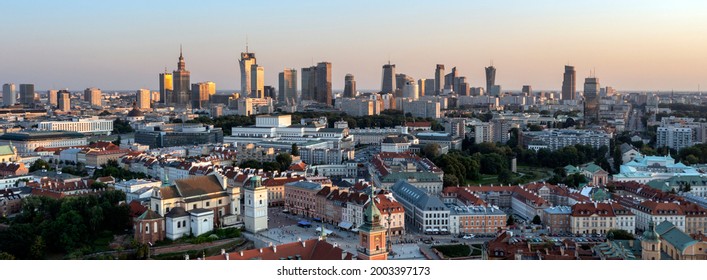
pixel 632 45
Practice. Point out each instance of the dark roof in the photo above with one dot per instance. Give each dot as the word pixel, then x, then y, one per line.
pixel 201 211
pixel 149 215
pixel 176 212
pixel 194 186
pixel 39 135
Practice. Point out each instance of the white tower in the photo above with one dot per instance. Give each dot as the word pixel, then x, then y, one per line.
pixel 256 205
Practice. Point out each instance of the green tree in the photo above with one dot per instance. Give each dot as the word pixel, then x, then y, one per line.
pixel 431 150
pixel 6 256
pixel 505 176
pixel 510 221
pixel 39 165
pixel 449 180
pixel 117 141
pixel 536 220
pixel 621 234
pixel 295 150
pixel 285 160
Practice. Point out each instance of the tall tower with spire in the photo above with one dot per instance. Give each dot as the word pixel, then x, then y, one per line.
pixel 180 96
pixel 246 62
pixel 372 244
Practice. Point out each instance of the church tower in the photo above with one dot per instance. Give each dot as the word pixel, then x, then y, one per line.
pixel 650 244
pixel 256 205
pixel 372 245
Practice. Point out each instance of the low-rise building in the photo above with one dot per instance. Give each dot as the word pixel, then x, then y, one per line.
pixel 557 220
pixel 426 213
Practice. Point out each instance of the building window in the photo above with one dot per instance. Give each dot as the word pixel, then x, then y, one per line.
pixel 208 204
pixel 193 206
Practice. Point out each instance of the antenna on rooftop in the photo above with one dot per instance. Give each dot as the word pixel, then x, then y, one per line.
pixel 246 43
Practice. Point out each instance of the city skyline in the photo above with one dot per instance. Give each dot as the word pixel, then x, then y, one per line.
pixel 126 45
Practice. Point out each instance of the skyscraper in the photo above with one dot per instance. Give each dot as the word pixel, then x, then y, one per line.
pixel 410 89
pixel 27 94
pixel 166 88
pixel 527 89
pixel 591 101
pixel 64 102
pixel 9 96
pixel 421 86
pixel 287 91
pixel 181 83
pixel 429 88
pixel 322 88
pixel 53 96
pixel 439 79
pixel 142 97
pixel 257 81
pixel 93 96
pixel 308 75
pixel 246 61
pixel 199 95
pixel 388 79
pixel 349 86
pixel 568 83
pixel 491 80
pixel 450 80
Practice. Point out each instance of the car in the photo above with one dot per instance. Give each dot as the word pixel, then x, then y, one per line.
pixel 467 237
pixel 454 241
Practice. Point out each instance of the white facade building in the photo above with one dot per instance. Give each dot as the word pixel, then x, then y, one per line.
pixel 93 126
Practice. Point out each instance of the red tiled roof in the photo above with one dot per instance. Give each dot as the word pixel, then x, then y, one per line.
pixel 312 249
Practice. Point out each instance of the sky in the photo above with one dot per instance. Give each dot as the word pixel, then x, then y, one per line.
pixel 123 45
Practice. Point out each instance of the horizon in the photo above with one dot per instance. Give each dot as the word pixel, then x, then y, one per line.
pixel 644 46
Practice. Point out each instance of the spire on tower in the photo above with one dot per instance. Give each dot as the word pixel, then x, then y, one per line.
pixel 180 52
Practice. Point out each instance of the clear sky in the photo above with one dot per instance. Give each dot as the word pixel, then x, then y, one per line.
pixel 633 45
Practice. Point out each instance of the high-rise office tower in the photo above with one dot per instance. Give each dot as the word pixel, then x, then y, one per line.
pixel 199 95
pixel 27 94
pixel 246 62
pixel 450 79
pixel 308 79
pixel 166 88
pixel 429 88
pixel 388 79
pixel 322 88
pixel 64 102
pixel 211 86
pixel 257 81
pixel 269 91
pixel 53 97
pixel 461 86
pixel 9 96
pixel 568 83
pixel 591 101
pixel 527 89
pixel 93 96
pixel 421 86
pixel 491 80
pixel 349 86
pixel 181 83
pixel 410 89
pixel 143 98
pixel 287 91
pixel 439 79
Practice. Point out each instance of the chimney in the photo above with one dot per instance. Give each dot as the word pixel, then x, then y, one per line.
pixel 304 244
pixel 223 251
pixel 241 253
pixel 274 249
pixel 260 250
pixel 186 257
pixel 228 256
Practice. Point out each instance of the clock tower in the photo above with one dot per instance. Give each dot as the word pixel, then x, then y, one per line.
pixel 372 244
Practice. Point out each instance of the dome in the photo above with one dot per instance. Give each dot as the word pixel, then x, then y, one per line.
pixel 135 112
pixel 651 235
